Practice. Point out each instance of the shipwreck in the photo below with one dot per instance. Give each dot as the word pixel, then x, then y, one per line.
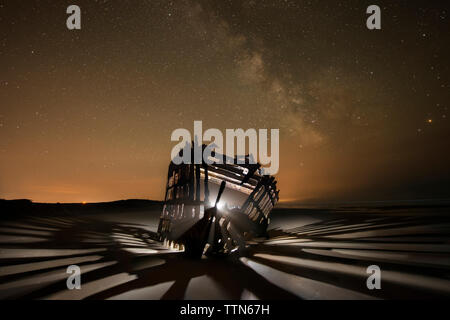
pixel 213 208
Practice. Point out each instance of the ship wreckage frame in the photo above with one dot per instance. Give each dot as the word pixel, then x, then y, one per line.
pixel 213 209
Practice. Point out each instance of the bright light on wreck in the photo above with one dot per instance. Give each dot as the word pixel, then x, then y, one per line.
pixel 220 205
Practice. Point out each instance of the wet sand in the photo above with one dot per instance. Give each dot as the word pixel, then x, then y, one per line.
pixel 310 254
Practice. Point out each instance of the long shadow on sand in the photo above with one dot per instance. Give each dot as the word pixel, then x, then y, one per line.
pixel 321 260
pixel 115 249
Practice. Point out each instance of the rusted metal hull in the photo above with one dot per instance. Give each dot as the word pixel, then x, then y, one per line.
pixel 195 218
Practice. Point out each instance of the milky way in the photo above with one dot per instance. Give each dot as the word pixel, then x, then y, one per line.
pixel 87 115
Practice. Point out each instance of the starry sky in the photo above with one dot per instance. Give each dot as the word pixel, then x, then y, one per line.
pixel 87 115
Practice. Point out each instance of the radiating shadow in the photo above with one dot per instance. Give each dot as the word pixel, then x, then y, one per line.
pixel 104 250
pixel 320 260
pixel 413 252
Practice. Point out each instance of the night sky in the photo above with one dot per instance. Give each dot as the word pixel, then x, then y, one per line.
pixel 87 115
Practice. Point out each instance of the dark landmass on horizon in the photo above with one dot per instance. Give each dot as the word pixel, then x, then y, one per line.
pixel 23 207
